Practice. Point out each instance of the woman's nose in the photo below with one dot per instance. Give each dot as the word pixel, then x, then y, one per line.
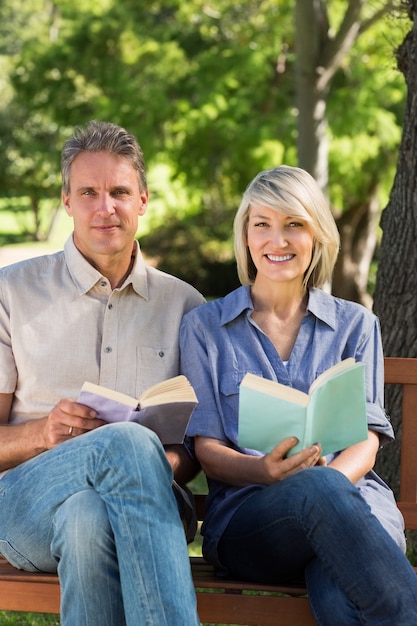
pixel 279 237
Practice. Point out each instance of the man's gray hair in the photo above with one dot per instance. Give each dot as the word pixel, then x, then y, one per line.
pixel 102 137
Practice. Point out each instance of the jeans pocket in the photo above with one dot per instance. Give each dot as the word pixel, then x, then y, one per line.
pixel 15 558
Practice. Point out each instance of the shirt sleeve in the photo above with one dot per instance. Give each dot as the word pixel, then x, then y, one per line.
pixel 195 364
pixel 8 372
pixel 371 354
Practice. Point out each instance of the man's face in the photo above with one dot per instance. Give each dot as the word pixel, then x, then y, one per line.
pixel 104 201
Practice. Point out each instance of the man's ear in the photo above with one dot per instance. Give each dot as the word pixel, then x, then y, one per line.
pixel 66 203
pixel 144 197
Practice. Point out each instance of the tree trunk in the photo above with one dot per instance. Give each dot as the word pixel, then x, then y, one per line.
pixel 312 143
pixel 357 226
pixel 320 52
pixel 395 300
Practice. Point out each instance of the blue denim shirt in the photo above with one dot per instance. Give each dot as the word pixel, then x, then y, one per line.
pixel 220 343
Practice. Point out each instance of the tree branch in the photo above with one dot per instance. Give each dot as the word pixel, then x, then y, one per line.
pixel 350 29
pixel 337 47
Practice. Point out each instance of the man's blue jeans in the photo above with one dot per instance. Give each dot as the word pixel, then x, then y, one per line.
pixel 315 524
pixel 99 509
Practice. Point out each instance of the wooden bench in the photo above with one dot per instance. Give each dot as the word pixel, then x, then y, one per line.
pixel 237 602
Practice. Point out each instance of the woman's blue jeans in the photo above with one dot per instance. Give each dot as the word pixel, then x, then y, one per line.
pixel 99 509
pixel 315 524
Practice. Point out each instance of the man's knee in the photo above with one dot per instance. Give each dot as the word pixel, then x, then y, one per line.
pixel 119 437
pixel 81 524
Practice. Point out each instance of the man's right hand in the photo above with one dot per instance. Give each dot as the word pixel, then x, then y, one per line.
pixel 68 419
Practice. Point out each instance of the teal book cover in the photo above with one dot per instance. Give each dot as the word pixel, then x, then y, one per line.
pixel 332 413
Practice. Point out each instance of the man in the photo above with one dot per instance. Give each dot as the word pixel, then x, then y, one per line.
pixel 90 500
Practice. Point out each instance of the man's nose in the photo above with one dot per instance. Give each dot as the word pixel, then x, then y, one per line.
pixel 106 205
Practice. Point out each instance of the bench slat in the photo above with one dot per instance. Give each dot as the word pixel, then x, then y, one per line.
pixel 233 609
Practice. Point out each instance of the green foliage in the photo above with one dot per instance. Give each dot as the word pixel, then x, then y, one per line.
pixel 365 110
pixel 196 250
pixel 208 88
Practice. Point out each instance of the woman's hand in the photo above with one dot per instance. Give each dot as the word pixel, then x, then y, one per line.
pixel 278 466
pixel 234 468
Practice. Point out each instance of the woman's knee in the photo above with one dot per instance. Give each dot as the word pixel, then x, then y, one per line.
pixel 316 488
pixel 316 481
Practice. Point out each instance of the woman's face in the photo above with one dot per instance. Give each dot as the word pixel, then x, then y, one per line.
pixel 281 246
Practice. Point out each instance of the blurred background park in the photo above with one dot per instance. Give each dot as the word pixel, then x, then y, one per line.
pixel 215 91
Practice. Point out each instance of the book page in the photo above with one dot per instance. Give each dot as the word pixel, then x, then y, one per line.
pixel 93 389
pixel 177 389
pixel 332 371
pixel 275 389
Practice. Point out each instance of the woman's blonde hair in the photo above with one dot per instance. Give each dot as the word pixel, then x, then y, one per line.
pixel 294 192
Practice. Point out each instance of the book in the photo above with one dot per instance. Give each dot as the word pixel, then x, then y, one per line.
pixel 165 408
pixel 332 413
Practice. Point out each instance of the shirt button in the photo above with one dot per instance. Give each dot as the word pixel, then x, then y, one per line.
pixel 103 283
pixel 161 353
pixel 110 306
pixel 107 349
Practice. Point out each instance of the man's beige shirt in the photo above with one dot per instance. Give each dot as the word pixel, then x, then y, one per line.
pixel 61 324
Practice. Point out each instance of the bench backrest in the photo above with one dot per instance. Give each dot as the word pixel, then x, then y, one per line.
pixel 404 372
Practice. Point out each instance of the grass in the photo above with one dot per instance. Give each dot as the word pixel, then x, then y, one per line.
pixel 11 618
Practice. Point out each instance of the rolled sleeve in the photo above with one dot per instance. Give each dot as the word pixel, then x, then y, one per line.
pixel 379 422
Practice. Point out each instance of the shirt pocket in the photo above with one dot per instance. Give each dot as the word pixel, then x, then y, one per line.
pixel 229 384
pixel 155 364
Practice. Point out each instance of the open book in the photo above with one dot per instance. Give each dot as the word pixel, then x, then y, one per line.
pixel 333 412
pixel 165 408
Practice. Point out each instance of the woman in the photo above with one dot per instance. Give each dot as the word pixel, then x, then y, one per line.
pixel 273 518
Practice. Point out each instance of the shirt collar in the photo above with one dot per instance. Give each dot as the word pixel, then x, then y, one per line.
pixel 85 276
pixel 320 304
pixel 323 306
pixel 235 303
